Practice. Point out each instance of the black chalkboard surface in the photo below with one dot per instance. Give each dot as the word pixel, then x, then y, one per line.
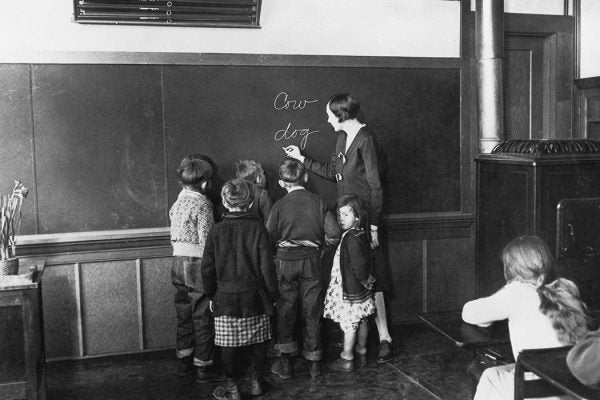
pixel 248 112
pixel 107 138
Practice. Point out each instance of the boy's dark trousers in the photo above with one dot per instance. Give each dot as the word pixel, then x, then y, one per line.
pixel 300 292
pixel 195 324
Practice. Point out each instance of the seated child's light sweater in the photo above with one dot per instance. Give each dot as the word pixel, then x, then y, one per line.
pixel 191 219
pixel 519 303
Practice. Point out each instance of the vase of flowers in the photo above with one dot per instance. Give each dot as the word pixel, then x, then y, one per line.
pixel 10 223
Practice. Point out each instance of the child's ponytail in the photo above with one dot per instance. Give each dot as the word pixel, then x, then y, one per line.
pixel 561 303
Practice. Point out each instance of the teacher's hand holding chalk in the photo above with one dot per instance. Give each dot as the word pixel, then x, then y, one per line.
pixel 294 152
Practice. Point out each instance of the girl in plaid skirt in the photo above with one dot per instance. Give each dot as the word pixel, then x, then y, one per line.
pixel 238 274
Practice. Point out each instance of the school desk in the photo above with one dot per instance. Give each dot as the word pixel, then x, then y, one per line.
pixel 462 334
pixel 550 365
pixel 493 342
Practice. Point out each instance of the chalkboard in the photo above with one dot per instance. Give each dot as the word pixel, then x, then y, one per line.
pixel 235 112
pixel 16 158
pixel 99 147
pixel 107 139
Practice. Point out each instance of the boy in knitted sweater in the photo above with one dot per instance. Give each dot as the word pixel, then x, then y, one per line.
pixel 191 218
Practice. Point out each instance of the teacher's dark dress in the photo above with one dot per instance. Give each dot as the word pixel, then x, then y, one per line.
pixel 358 171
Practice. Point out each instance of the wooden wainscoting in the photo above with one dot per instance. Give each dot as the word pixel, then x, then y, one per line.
pixel 105 292
pixel 432 258
pixel 110 292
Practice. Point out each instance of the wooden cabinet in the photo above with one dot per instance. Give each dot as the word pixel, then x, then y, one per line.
pixel 522 189
pixel 22 360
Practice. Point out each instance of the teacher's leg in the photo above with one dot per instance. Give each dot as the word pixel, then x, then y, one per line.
pixel 385 340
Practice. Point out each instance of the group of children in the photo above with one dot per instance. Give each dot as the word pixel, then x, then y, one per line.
pixel 264 260
pixel 263 264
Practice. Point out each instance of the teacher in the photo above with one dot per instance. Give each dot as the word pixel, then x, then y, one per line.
pixel 356 167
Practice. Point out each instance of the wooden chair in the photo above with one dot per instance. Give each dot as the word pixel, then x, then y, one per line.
pixel 555 378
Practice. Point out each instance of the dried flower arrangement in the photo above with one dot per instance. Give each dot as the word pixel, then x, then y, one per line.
pixel 10 219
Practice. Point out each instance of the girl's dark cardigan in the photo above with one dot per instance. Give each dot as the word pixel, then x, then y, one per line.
pixel 355 266
pixel 238 271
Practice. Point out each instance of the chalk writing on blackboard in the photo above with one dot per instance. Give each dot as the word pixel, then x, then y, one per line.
pixel 283 102
pixel 288 133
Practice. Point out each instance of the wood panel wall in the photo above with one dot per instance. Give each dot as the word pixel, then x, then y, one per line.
pixel 112 293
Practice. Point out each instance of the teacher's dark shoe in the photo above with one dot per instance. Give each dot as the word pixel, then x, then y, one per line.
pixel 342 365
pixel 385 352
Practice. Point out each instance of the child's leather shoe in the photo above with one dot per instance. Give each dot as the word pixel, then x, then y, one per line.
pixel 208 374
pixel 362 360
pixel 342 365
pixel 316 369
pixel 185 366
pixel 282 367
pixel 229 391
pixel 256 385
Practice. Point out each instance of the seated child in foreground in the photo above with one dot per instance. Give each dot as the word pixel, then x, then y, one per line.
pixel 542 310
pixel 239 277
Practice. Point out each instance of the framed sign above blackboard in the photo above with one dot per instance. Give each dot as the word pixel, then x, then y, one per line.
pixel 217 13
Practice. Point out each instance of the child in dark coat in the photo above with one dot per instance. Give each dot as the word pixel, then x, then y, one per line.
pixel 239 277
pixel 349 300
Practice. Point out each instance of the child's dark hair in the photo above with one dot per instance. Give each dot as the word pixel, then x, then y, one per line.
pixel 529 259
pixel 194 172
pixel 357 208
pixel 251 171
pixel 201 156
pixel 236 193
pixel 292 171
pixel 344 106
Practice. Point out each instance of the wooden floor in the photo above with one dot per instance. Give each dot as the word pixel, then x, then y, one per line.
pixel 425 366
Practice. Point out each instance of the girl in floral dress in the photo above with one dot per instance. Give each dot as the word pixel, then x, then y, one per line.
pixel 349 299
